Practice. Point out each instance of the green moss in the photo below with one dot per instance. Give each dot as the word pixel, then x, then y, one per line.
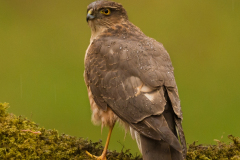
pixel 18 140
pixel 220 151
pixel 21 138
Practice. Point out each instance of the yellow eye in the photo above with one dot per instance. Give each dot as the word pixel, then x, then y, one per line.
pixel 106 11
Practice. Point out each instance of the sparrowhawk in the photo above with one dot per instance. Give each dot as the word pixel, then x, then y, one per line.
pixel 130 79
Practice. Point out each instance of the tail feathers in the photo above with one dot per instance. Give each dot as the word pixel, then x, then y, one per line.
pixel 181 136
pixel 158 150
pixel 156 127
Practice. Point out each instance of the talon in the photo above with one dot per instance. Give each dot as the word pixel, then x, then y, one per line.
pixel 90 155
pixel 102 157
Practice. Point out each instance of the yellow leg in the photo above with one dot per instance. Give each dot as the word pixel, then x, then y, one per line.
pixel 104 153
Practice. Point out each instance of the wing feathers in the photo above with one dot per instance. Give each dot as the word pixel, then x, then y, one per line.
pixel 156 127
pixel 131 81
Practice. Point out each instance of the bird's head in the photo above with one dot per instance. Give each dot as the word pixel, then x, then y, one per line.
pixel 105 14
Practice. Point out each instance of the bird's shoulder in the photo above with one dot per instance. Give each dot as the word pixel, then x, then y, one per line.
pixel 129 38
pixel 117 64
pixel 127 48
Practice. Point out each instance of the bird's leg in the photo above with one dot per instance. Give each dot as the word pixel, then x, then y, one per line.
pixel 104 153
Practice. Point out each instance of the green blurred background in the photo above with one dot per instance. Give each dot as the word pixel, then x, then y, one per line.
pixel 42 47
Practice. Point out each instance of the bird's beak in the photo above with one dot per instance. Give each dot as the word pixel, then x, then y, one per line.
pixel 90 15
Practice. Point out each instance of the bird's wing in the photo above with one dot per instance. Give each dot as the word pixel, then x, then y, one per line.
pixel 131 78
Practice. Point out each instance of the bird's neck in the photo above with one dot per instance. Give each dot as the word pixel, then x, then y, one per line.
pixel 96 31
pixel 122 29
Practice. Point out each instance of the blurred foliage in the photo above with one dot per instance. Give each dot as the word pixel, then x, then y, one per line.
pixel 21 138
pixel 42 48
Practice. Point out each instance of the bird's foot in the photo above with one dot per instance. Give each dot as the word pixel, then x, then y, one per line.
pixel 102 157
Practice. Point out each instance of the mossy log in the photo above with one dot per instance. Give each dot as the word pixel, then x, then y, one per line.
pixel 21 138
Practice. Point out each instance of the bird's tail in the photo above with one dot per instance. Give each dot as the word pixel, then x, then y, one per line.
pixel 153 149
pixel 178 122
pixel 158 150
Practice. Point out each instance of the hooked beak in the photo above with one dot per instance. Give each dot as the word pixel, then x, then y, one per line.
pixel 90 15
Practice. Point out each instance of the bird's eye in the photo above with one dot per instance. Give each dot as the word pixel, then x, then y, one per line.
pixel 106 11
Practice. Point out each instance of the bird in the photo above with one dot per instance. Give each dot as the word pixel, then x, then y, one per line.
pixel 130 79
